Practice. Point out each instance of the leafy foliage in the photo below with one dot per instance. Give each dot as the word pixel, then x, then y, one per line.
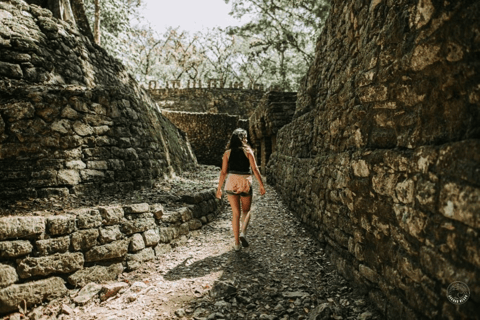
pixel 274 48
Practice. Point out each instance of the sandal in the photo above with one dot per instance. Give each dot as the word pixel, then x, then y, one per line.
pixel 243 239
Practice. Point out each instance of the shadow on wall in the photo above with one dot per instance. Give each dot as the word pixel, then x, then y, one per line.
pixel 207 133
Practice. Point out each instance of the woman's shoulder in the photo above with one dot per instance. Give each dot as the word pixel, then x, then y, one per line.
pixel 248 150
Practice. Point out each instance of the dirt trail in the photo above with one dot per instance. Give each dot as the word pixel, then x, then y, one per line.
pixel 284 274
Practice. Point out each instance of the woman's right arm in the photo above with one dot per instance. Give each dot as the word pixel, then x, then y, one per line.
pixel 223 174
pixel 253 165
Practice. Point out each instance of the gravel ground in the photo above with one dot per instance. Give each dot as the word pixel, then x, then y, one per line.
pixel 283 274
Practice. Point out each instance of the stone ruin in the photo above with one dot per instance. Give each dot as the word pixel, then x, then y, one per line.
pixel 275 110
pixel 241 103
pixel 72 121
pixel 378 153
pixel 382 157
pixel 89 245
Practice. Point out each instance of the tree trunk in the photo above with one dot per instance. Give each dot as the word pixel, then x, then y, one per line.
pixel 81 18
pixel 71 11
pixel 96 27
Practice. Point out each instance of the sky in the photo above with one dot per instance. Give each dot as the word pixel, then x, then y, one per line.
pixel 190 15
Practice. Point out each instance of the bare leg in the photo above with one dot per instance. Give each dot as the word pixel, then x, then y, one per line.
pixel 235 204
pixel 246 204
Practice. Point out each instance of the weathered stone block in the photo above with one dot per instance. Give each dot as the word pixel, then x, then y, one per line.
pixel 186 214
pixel 368 273
pixel 172 217
pixel 92 175
pixel 151 237
pixel 183 229
pixel 110 290
pixel 137 208
pixel 83 240
pixel 109 234
pixel 360 168
pixel 82 129
pixel 134 261
pixel 116 249
pixel 13 249
pixel 33 293
pixel 136 243
pixel 95 274
pixel 166 234
pixel 69 177
pixel 75 164
pixel 194 224
pixel 162 248
pixel 8 275
pixel 157 210
pixel 88 219
pixel 60 225
pixel 97 165
pixel 111 215
pixel 87 293
pixel 137 225
pixel 19 227
pixel 43 266
pixel 51 246
pixel 461 203
pixel 11 70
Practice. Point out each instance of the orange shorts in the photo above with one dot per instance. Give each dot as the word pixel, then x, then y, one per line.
pixel 239 184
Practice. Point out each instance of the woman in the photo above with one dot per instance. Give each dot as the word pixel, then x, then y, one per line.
pixel 238 159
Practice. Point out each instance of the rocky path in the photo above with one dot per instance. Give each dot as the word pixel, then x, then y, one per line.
pixel 282 275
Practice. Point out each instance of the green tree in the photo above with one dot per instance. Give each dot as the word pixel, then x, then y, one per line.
pixel 286 30
pixel 114 21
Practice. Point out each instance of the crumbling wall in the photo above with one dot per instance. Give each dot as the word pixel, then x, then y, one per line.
pixel 71 118
pixel 212 100
pixel 382 158
pixel 274 110
pixel 208 133
pixel 89 245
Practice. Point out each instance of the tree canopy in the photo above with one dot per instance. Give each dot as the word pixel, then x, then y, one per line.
pixel 274 48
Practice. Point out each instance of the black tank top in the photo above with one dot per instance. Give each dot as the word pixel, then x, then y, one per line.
pixel 238 162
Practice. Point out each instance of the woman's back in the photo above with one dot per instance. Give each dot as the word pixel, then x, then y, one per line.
pixel 238 161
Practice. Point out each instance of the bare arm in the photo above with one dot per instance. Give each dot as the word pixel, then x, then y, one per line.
pixel 253 165
pixel 223 174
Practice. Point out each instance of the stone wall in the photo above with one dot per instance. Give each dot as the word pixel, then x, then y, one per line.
pixel 71 119
pixel 208 133
pixel 39 253
pixel 382 157
pixel 213 100
pixel 275 110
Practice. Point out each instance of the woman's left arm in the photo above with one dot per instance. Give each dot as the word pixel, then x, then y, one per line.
pixel 223 174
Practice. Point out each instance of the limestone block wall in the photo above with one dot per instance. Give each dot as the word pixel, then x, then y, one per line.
pixel 238 102
pixel 63 140
pixel 274 110
pixel 39 254
pixel 71 119
pixel 207 133
pixel 382 157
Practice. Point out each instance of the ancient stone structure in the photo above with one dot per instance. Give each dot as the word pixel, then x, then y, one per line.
pixel 90 245
pixel 382 157
pixel 207 133
pixel 275 110
pixel 212 100
pixel 71 118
